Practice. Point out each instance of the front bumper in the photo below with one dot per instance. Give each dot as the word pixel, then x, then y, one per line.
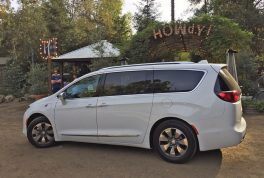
pixel 25 118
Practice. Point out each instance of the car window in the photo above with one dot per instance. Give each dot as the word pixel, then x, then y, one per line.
pixel 127 83
pixel 176 80
pixel 86 87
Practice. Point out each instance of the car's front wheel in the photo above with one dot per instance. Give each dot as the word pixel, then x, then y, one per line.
pixel 175 141
pixel 40 133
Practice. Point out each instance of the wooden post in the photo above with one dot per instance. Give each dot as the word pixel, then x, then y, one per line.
pixel 49 75
pixel 61 73
pixel 172 11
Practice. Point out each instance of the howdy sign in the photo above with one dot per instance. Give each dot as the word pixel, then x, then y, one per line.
pixel 182 29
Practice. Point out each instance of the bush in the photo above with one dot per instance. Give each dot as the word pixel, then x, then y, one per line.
pixel 258 105
pixel 247 73
pixel 249 88
pixel 101 63
pixel 37 79
pixel 14 79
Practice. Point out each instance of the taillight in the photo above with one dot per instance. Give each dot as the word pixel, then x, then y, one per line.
pixel 229 96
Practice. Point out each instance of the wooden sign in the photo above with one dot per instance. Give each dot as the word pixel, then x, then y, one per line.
pixel 169 39
pixel 182 29
pixel 48 48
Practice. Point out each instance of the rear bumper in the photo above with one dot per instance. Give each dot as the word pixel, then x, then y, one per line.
pixel 221 138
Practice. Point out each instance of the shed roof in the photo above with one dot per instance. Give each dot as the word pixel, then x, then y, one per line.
pixel 101 49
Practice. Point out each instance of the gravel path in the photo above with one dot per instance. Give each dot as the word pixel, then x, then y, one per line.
pixel 69 160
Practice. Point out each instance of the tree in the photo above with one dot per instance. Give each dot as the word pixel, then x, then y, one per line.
pixel 14 79
pixel 147 13
pixel 248 13
pixel 225 34
pixel 59 24
pixel 4 10
pixel 107 12
pixel 95 20
pixel 138 49
pixel 204 8
pixel 123 31
pixel 247 70
pixel 21 33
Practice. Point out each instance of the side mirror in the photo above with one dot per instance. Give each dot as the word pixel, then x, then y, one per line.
pixel 62 96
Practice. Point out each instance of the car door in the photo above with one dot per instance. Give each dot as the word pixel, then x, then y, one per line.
pixel 75 116
pixel 124 109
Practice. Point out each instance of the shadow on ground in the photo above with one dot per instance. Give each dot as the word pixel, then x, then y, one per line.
pixel 144 163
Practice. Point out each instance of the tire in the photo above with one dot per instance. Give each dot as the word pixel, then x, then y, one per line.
pixel 40 133
pixel 178 149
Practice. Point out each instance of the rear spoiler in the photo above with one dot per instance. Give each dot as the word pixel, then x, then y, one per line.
pixel 218 67
pixel 203 62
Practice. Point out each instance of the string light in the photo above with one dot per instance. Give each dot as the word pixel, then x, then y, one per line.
pixel 48 48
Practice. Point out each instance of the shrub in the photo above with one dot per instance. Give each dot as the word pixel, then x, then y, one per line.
pixel 258 105
pixel 14 79
pixel 37 79
pixel 249 88
pixel 101 63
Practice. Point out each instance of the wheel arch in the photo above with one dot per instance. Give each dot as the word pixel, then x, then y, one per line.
pixel 34 116
pixel 155 125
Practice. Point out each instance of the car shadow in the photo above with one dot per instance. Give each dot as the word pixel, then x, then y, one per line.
pixel 138 162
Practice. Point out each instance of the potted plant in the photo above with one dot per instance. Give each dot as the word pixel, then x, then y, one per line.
pixel 38 81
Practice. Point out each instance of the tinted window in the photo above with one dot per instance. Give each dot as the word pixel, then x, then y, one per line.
pixel 127 83
pixel 176 80
pixel 86 87
pixel 225 82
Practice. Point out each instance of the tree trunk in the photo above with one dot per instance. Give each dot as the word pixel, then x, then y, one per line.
pixel 205 6
pixel 172 11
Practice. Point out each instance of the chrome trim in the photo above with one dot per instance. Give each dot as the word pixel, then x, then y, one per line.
pixel 83 135
pixel 118 135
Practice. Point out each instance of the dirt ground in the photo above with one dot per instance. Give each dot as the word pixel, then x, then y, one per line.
pixel 20 159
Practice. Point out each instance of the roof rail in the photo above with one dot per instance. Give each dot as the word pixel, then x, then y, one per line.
pixel 146 64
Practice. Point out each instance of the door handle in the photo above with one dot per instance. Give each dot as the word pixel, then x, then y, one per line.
pixel 90 106
pixel 102 105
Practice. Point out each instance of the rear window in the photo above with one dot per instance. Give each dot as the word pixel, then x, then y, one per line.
pixel 176 80
pixel 226 82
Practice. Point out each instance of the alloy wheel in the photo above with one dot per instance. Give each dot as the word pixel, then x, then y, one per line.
pixel 42 133
pixel 173 142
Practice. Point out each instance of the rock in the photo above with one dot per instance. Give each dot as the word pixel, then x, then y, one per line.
pixel 9 98
pixel 2 98
pixel 27 97
pixel 21 99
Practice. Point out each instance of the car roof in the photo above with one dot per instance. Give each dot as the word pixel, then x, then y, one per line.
pixel 163 65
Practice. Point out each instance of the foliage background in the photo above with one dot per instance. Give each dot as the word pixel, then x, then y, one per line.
pixel 77 23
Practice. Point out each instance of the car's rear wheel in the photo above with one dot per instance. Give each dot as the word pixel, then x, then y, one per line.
pixel 40 133
pixel 175 141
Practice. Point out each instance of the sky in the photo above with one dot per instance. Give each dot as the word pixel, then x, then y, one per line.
pixel 181 8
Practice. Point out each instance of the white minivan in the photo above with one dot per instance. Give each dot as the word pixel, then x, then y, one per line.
pixel 175 108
